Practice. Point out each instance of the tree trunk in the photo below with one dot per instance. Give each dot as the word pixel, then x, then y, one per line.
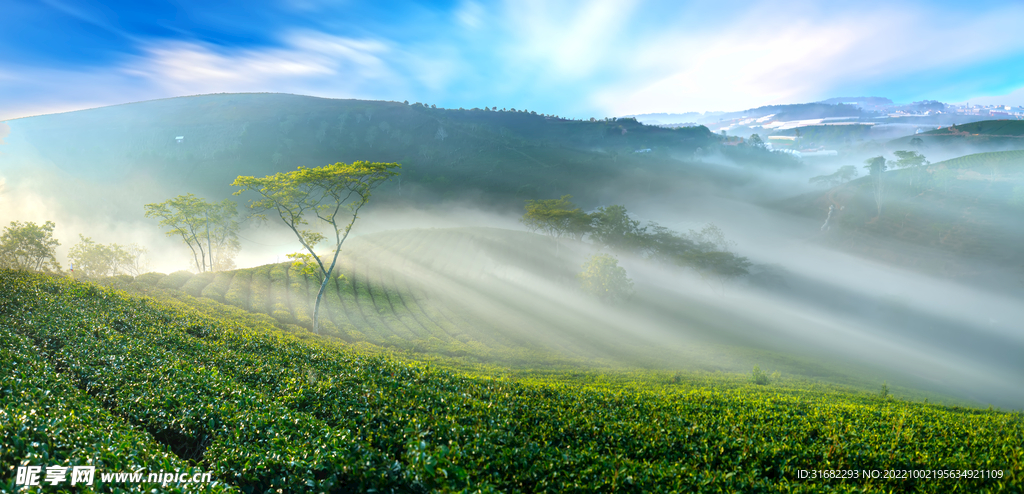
pixel 316 307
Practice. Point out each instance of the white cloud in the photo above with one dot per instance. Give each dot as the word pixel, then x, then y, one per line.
pixel 189 67
pixel 624 60
pixel 778 56
pixel 604 57
pixel 566 41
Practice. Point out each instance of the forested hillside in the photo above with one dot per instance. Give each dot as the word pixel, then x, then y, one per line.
pixel 507 154
pixel 955 210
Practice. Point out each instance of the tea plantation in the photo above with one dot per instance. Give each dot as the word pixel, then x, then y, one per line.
pixel 95 376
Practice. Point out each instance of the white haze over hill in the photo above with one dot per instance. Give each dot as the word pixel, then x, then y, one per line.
pixel 837 313
pixel 842 314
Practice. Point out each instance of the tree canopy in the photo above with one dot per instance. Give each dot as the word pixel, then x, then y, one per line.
pixel 614 229
pixel 556 217
pixel 210 230
pixel 333 194
pixel 30 247
pixel 604 278
pixel 906 159
pixel 95 260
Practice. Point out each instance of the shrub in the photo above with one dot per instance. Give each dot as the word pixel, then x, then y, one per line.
pixel 604 278
pixel 758 376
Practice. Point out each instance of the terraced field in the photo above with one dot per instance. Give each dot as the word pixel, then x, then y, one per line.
pixel 999 162
pixel 132 384
pixel 493 296
pixel 410 290
pixel 484 296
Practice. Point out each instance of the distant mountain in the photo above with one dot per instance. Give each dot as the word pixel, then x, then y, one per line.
pixel 831 108
pixel 869 103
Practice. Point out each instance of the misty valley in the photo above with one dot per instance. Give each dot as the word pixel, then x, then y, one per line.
pixel 301 294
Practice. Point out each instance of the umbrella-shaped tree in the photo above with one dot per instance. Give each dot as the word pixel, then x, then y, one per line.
pixel 332 194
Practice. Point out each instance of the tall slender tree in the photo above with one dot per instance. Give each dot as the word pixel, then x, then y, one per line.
pixel 876 167
pixel 200 224
pixel 332 194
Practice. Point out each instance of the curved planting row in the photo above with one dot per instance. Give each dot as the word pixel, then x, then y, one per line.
pixel 397 289
pixel 268 413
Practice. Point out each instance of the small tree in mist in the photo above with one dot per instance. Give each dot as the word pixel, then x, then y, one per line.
pixel 876 167
pixel 333 194
pixel 914 161
pixel 95 260
pixel 707 251
pixel 556 217
pixel 604 278
pixel 210 230
pixel 759 377
pixel 29 247
pixel 613 228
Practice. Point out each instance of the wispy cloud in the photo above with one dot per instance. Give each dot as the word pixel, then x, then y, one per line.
pixel 593 58
pixel 304 60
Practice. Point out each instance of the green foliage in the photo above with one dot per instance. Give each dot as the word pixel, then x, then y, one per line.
pixel 604 278
pixel 986 163
pixel 94 260
pixel 556 217
pixel 323 192
pixel 29 247
pixel 706 251
pixel 122 383
pixel 615 230
pixel 210 230
pixel 759 377
pixel 176 279
pixel 906 159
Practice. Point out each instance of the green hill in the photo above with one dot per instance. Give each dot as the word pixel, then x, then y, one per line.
pixel 127 384
pixel 968 138
pixel 964 211
pixel 1003 128
pixel 507 155
pixel 1006 164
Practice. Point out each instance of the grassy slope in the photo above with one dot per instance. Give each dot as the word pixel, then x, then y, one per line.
pixel 225 392
pixel 974 137
pixel 458 294
pixel 484 297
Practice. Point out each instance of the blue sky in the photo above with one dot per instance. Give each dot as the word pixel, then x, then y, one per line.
pixel 575 59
